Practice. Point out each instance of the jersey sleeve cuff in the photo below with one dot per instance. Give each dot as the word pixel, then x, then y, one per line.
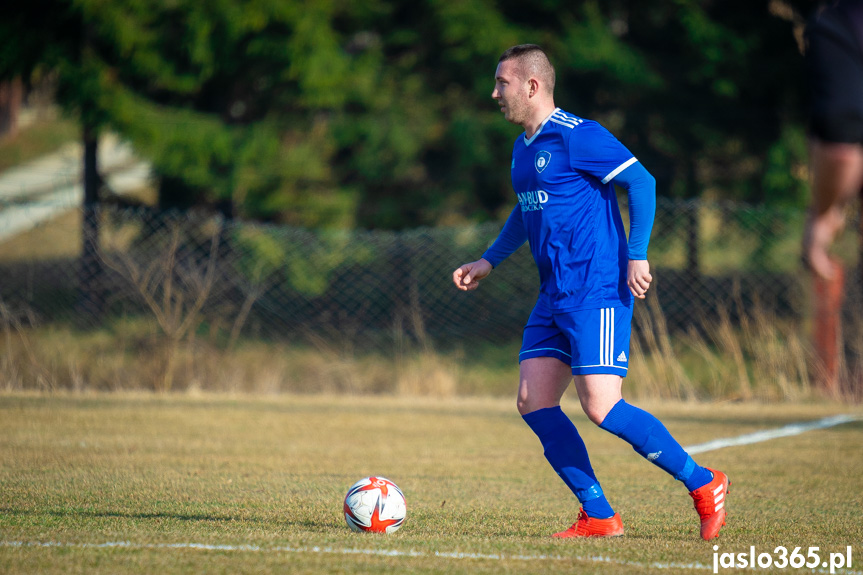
pixel 490 259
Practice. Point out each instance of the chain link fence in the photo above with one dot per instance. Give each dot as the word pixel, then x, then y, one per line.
pixel 240 279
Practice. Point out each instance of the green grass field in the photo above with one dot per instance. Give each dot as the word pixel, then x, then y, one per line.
pixel 265 477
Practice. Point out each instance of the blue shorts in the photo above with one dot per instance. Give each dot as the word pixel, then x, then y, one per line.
pixel 590 340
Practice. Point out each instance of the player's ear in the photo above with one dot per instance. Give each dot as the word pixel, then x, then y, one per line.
pixel 533 87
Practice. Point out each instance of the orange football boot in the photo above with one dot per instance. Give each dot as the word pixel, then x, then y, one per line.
pixel 710 504
pixel 592 527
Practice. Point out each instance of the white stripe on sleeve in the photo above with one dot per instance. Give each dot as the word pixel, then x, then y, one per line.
pixel 619 169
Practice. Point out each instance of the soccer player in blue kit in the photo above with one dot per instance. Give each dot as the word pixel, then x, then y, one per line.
pixel 563 171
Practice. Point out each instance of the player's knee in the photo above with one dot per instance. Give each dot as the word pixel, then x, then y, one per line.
pixel 523 405
pixel 527 403
pixel 595 412
pixel 595 415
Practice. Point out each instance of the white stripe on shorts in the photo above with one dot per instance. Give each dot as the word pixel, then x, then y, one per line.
pixel 601 336
pixel 606 336
pixel 604 355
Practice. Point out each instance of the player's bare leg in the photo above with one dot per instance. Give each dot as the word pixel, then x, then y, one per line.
pixel 542 381
pixel 598 393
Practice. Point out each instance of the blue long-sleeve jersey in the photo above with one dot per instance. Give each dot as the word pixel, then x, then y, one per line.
pixel 567 210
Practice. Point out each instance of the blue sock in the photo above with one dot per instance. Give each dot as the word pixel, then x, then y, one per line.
pixel 651 440
pixel 565 451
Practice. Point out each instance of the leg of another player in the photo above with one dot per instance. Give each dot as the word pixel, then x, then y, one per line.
pixel 542 382
pixel 836 171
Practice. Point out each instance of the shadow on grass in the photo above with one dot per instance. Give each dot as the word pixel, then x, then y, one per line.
pixel 190 517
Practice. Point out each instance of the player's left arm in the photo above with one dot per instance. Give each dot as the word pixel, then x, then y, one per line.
pixel 641 189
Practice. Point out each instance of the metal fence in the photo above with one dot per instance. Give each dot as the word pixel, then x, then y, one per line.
pixel 239 279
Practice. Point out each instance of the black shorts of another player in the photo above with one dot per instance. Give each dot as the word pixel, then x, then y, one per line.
pixel 834 61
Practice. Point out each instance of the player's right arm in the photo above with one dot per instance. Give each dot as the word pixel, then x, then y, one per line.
pixel 511 237
pixel 641 189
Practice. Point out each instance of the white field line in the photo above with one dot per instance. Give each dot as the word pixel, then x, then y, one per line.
pixel 768 434
pixel 786 431
pixel 377 553
pixel 350 551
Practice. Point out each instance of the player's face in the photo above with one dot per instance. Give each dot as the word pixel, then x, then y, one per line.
pixel 511 91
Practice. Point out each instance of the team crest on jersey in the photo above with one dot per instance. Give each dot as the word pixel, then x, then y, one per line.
pixel 540 162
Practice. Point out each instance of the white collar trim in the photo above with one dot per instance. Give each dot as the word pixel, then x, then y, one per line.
pixel 527 141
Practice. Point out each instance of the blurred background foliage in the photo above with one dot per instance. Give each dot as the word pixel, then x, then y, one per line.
pixel 377 114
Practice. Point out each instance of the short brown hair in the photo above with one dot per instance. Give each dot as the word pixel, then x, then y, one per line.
pixel 533 61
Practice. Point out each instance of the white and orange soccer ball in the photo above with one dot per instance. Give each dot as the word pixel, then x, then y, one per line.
pixel 375 504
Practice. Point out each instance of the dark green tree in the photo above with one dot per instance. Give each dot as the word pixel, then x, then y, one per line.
pixel 378 114
pixel 64 43
pixel 707 94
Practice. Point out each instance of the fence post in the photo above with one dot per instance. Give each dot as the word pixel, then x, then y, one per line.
pixel 11 94
pixel 693 256
pixel 90 276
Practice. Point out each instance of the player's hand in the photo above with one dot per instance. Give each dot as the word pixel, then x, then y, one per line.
pixel 638 277
pixel 467 276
